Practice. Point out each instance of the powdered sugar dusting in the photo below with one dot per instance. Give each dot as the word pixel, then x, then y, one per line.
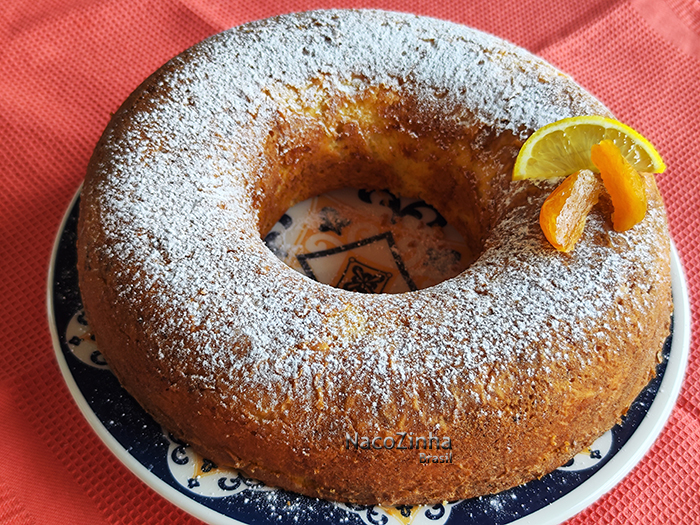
pixel 174 191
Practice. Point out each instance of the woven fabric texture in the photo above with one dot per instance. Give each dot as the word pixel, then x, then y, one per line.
pixel 66 65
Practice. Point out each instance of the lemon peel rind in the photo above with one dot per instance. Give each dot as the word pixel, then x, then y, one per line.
pixel 632 144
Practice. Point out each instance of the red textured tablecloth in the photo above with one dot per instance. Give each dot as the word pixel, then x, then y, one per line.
pixel 66 64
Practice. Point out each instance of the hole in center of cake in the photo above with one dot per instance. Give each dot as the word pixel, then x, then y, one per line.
pixel 388 143
pixel 369 241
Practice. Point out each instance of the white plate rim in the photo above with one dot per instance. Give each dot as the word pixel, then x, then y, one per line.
pixel 616 469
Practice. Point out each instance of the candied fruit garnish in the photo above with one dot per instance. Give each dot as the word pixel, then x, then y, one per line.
pixel 563 214
pixel 623 183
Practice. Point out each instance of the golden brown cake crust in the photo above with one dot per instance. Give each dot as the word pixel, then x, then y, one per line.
pixel 521 361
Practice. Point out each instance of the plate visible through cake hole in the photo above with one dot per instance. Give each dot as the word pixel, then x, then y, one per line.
pixel 369 241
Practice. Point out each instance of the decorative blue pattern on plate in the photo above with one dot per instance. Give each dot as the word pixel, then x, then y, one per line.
pixel 223 496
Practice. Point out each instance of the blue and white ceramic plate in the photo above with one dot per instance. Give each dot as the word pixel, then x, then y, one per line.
pixel 222 496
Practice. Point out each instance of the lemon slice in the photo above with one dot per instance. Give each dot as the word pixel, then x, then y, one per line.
pixel 564 147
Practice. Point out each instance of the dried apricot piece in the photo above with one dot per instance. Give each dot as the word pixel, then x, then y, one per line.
pixel 623 183
pixel 563 215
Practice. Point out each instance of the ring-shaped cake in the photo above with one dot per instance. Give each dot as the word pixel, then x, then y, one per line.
pixel 503 372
